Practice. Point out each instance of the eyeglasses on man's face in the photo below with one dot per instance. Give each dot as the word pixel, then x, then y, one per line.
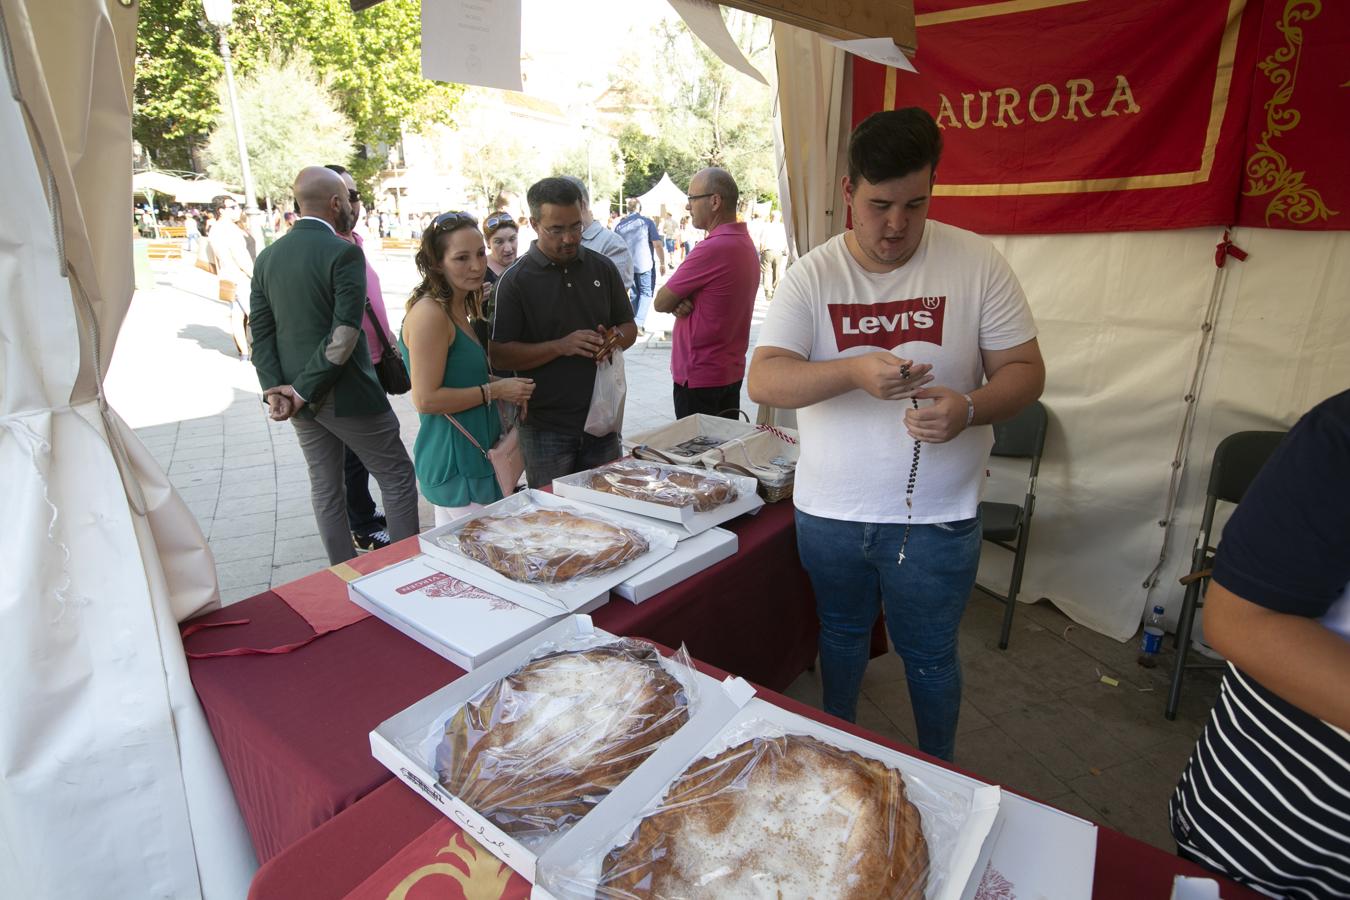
pixel 693 197
pixel 354 197
pixel 557 231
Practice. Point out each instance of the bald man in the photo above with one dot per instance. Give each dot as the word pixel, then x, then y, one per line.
pixel 712 295
pixel 307 305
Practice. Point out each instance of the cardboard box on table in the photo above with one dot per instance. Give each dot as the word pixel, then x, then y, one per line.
pixel 665 439
pixel 1034 850
pixel 457 620
pixel 547 599
pixel 691 556
pixel 562 869
pixel 685 518
pixel 393 742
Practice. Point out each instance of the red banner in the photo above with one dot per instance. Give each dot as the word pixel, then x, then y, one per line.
pixel 1097 115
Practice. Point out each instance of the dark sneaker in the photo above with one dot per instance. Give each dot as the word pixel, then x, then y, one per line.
pixel 372 541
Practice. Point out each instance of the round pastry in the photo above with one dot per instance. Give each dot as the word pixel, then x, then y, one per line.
pixel 664 485
pixel 547 546
pixel 787 817
pixel 536 750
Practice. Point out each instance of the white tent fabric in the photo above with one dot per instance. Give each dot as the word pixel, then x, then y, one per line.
pixel 184 190
pixel 103 747
pixel 1120 318
pixel 665 194
pixel 811 129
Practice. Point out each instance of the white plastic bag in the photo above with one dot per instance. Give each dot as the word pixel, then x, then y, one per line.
pixel 611 388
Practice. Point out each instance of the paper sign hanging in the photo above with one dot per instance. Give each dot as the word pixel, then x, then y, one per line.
pixel 472 42
pixel 705 21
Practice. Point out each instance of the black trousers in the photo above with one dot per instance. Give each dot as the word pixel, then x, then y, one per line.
pixel 711 401
pixel 361 514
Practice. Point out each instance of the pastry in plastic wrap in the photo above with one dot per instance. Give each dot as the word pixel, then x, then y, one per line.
pixel 547 546
pixel 536 750
pixel 664 485
pixel 789 816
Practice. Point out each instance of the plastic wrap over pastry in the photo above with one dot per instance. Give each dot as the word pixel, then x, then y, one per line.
pixel 536 750
pixel 666 485
pixel 767 813
pixel 548 546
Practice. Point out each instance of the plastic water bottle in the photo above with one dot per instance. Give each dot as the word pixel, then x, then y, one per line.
pixel 1151 644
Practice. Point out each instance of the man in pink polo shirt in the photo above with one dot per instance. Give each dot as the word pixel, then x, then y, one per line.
pixel 366 521
pixel 712 295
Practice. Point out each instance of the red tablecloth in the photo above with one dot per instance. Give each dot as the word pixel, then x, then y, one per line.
pixel 365 847
pixel 293 728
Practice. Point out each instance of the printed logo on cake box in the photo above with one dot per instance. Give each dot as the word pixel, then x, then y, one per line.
pixel 441 585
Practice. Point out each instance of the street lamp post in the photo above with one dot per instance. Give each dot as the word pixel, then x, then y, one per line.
pixel 220 13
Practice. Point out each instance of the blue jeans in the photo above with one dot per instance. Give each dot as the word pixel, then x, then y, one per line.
pixel 553 454
pixel 854 572
pixel 641 295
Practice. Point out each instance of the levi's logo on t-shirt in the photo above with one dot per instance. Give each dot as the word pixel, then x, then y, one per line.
pixel 887 325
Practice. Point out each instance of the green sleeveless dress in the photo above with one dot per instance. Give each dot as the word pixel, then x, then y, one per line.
pixel 450 470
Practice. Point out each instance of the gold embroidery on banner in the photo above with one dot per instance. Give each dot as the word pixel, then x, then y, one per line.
pixel 486 879
pixel 1008 7
pixel 1268 170
pixel 1223 78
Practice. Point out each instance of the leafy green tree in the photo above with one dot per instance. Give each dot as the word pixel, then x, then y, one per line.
pixel 604 173
pixel 371 60
pixel 494 164
pixel 290 121
pixel 646 157
pixel 705 113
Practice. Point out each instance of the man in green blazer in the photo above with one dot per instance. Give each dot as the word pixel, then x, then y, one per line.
pixel 308 299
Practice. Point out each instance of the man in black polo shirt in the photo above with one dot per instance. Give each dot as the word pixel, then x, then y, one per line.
pixel 554 310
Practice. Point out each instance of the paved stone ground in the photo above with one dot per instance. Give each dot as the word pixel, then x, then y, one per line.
pixel 1036 718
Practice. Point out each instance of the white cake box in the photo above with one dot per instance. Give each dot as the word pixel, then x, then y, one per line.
pixel 547 599
pixel 689 521
pixel 1035 850
pixel 400 743
pixel 666 439
pixel 957 811
pixel 691 556
pixel 454 619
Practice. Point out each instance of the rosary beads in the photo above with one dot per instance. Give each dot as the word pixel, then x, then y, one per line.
pixel 909 487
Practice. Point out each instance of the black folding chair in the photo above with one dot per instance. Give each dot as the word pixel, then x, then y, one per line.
pixel 1237 459
pixel 1007 524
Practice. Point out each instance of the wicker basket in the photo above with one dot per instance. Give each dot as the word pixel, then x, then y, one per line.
pixel 661 444
pixel 769 456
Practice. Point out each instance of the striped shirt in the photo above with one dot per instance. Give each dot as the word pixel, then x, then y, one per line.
pixel 1265 798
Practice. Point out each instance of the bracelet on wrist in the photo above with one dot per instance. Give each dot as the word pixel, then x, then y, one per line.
pixel 970 410
pixel 482 388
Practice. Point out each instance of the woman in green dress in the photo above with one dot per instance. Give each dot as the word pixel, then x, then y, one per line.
pixel 449 370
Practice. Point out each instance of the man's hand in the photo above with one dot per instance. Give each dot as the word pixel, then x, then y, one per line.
pixel 683 309
pixel 610 341
pixel 282 402
pixel 879 374
pixel 942 421
pixel 582 342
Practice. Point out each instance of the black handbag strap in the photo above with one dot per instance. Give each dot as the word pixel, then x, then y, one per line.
pixel 379 330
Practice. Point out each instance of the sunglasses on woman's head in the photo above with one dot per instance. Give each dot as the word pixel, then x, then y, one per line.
pixel 497 219
pixel 451 220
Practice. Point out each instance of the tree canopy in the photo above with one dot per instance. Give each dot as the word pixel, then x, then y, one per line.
pixel 705 113
pixel 290 121
pixel 371 60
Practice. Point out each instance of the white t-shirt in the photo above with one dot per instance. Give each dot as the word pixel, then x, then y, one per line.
pixel 955 297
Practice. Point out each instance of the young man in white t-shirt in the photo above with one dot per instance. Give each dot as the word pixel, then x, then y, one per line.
pixel 897 308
